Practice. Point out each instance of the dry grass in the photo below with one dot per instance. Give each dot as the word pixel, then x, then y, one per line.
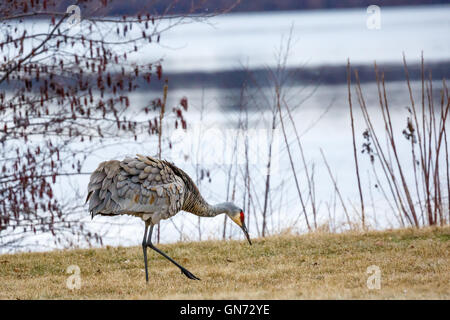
pixel 414 264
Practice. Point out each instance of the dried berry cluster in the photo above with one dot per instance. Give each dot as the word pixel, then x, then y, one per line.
pixel 60 89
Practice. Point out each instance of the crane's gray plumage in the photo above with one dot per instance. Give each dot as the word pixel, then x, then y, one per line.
pixel 151 189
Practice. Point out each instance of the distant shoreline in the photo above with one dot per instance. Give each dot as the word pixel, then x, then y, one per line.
pixel 325 74
pixel 133 7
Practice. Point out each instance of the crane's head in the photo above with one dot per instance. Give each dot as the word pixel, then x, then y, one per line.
pixel 237 215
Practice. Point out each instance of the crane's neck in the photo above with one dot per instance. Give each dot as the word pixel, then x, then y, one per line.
pixel 214 210
pixel 202 208
pixel 193 200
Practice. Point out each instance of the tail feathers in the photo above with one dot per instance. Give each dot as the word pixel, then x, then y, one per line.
pixel 102 192
pixel 95 203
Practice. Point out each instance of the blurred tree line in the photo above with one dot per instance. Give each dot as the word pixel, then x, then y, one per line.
pixel 117 7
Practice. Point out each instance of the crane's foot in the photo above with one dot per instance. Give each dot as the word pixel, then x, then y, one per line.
pixel 188 274
pixel 148 243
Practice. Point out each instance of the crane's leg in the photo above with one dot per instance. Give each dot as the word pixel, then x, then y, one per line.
pixel 149 243
pixel 144 248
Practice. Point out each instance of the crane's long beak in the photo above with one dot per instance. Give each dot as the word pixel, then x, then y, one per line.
pixel 244 228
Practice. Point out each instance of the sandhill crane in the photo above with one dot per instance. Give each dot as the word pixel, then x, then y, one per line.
pixel 153 190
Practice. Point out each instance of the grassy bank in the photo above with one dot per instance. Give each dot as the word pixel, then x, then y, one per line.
pixel 413 264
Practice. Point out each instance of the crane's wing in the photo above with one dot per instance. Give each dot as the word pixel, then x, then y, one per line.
pixel 140 185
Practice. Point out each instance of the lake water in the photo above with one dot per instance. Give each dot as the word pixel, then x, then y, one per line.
pixel 319 37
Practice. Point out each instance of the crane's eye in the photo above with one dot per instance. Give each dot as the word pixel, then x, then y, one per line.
pixel 242 216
